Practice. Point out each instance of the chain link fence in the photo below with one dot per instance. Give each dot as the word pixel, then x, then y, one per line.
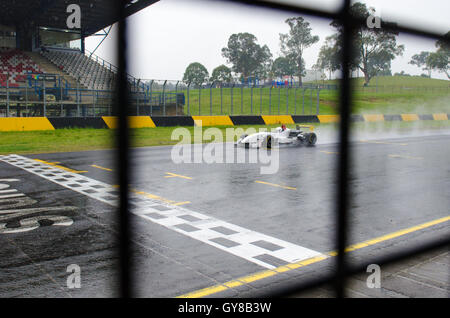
pixel 63 96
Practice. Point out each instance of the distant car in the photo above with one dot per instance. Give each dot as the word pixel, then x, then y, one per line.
pixel 281 136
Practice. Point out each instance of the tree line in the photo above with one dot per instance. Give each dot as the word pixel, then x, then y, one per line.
pixel 374 50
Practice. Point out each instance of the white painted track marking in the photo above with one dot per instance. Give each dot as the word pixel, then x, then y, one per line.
pixel 258 248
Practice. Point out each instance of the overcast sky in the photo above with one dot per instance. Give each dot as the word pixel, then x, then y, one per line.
pixel 170 34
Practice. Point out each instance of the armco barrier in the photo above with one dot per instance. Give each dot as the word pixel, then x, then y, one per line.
pixel 393 117
pixel 212 120
pixel 170 121
pixel 247 120
pixel 25 124
pixel 77 122
pixel 51 123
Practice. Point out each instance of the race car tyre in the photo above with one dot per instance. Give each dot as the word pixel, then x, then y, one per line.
pixel 311 139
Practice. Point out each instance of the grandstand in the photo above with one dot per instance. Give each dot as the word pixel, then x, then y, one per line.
pixel 90 73
pixel 14 67
pixel 46 71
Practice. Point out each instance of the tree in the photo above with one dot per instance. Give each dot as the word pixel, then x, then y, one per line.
pixel 264 70
pixel 421 60
pixel 283 66
pixel 221 74
pixel 195 73
pixel 328 58
pixel 440 60
pixel 296 41
pixel 245 54
pixel 375 48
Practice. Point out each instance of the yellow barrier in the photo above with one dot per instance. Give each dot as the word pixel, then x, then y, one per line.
pixel 133 122
pixel 440 116
pixel 25 124
pixel 410 117
pixel 277 119
pixel 373 117
pixel 328 118
pixel 212 120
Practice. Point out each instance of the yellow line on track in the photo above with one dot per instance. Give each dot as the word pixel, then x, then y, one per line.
pixel 276 185
pixel 157 197
pixel 267 273
pixel 54 164
pixel 153 196
pixel 330 152
pixel 173 175
pixel 182 203
pixel 383 142
pixel 100 167
pixel 405 157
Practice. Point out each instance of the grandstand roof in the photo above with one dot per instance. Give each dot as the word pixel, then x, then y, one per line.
pixel 95 14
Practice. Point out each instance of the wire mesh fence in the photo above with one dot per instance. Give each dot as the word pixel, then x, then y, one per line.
pixel 56 95
pixel 41 97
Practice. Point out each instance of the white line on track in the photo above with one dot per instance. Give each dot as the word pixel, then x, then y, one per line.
pixel 258 248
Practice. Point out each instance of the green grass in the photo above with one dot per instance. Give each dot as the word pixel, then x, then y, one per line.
pixel 391 95
pixel 59 140
pixel 64 140
pixel 395 82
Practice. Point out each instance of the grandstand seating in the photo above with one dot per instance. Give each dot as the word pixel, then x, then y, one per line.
pixel 14 66
pixel 88 72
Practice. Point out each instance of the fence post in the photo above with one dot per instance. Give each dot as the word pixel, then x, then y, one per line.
pixel 260 99
pixel 310 101
pixel 242 98
pixel 45 98
pixel 303 100
pixel 251 98
pixel 295 100
pixel 318 100
pixel 232 86
pixel 176 98
pixel 287 100
pixel 188 110
pixel 137 99
pixel 221 98
pixel 7 95
pixel 279 94
pixel 270 100
pixel 164 98
pixel 210 98
pixel 150 97
pixel 199 99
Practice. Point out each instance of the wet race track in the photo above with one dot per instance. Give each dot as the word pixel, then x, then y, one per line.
pixel 217 229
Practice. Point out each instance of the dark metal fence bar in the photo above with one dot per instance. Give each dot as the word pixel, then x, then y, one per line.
pixel 342 199
pixel 122 154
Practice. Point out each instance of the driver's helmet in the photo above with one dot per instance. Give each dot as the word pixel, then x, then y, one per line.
pixel 283 127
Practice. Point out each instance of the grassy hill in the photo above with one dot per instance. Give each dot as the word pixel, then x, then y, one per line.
pixel 385 94
pixel 396 82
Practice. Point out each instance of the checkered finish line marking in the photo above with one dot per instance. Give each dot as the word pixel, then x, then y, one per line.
pixel 264 250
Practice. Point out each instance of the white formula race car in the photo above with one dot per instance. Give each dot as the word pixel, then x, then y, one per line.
pixel 281 136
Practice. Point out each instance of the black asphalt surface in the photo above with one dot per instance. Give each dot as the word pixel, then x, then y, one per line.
pixel 396 184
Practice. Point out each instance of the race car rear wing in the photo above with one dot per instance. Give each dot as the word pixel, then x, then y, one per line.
pixel 310 127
